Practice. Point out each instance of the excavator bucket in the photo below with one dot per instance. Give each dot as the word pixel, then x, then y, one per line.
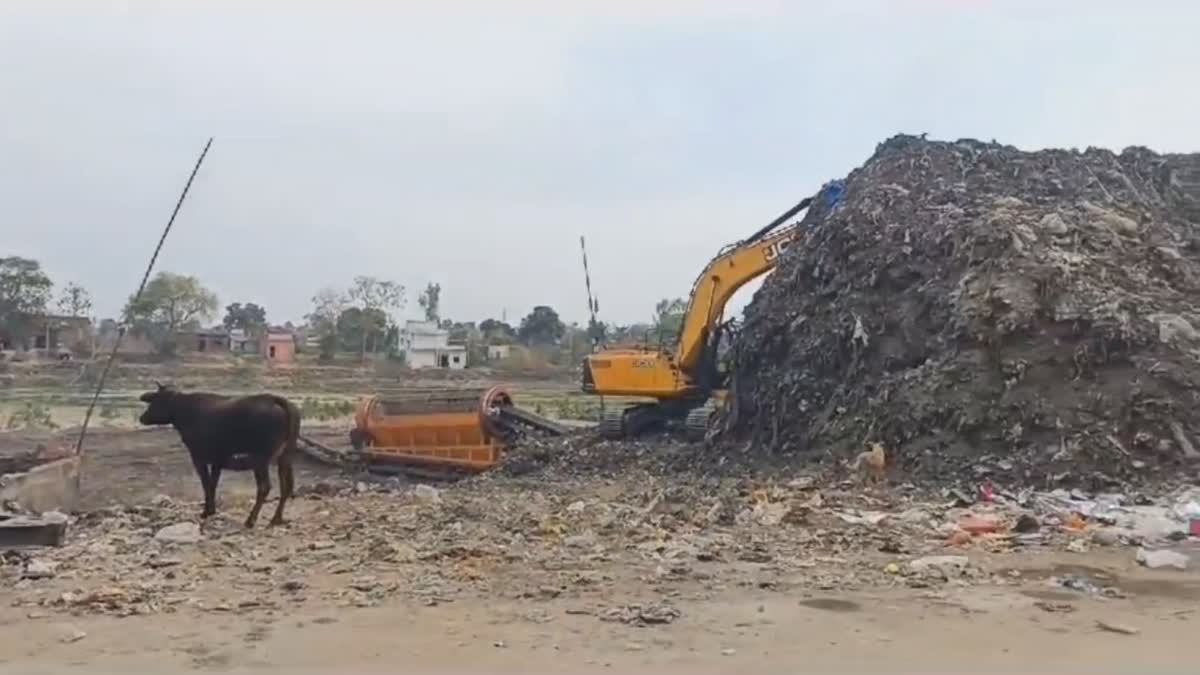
pixel 456 430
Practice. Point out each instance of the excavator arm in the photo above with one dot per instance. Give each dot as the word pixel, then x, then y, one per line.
pixel 733 268
pixel 678 378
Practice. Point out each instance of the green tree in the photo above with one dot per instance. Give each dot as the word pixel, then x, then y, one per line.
pixel 597 332
pixel 356 327
pixel 430 301
pixel 377 299
pixel 24 292
pixel 248 317
pixel 576 343
pixel 541 328
pixel 668 320
pixel 497 332
pixel 170 303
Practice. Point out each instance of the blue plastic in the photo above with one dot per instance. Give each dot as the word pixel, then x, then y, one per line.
pixel 834 194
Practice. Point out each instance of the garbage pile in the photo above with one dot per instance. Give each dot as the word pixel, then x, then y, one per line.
pixel 986 311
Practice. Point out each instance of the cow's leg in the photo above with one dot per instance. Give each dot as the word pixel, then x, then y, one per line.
pixel 287 484
pixel 262 478
pixel 214 477
pixel 206 483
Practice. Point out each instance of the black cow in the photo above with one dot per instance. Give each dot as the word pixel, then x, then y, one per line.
pixel 238 434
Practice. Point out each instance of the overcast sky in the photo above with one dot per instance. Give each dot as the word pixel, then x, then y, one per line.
pixel 473 146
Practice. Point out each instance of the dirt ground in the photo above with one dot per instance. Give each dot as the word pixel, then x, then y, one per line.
pixel 633 572
pixel 976 630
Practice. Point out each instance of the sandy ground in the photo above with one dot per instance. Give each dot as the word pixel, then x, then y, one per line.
pixel 976 630
pixel 511 575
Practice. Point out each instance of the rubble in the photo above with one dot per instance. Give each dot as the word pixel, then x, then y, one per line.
pixel 594 541
pixel 642 615
pixel 948 565
pixel 984 311
pixel 180 533
pixel 39 569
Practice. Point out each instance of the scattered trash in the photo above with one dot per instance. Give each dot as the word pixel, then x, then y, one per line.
pixel 653 613
pixel 427 493
pixel 1162 558
pixel 1026 524
pixel 867 518
pixel 1055 607
pixel 39 569
pixel 974 524
pixel 1078 546
pixel 950 565
pixel 1116 628
pixel 1081 584
pixel 180 533
pixel 72 634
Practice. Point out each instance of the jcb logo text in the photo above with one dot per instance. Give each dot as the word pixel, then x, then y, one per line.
pixel 777 248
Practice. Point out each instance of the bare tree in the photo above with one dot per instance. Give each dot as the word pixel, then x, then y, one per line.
pixel 75 301
pixel 375 297
pixel 328 305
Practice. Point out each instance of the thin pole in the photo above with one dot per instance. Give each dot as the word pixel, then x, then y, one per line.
pixel 112 356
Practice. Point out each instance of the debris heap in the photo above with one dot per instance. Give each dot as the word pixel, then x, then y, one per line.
pixel 981 310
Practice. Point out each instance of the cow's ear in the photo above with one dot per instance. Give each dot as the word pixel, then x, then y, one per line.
pixel 160 385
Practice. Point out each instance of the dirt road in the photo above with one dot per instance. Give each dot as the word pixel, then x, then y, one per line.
pixel 970 629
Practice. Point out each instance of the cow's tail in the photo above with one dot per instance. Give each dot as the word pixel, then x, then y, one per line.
pixel 292 414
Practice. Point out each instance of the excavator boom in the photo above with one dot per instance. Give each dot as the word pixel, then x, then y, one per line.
pixel 733 268
pixel 680 380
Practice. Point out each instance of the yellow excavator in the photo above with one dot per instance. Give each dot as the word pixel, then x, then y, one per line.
pixel 686 382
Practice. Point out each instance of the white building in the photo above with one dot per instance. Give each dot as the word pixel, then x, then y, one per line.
pixel 427 346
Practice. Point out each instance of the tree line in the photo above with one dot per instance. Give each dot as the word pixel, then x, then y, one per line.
pixel 360 318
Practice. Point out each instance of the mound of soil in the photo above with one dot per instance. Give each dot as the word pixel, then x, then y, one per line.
pixel 980 309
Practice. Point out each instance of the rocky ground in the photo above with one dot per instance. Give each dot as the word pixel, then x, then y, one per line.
pixel 597 565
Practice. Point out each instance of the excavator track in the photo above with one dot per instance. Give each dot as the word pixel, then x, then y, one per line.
pixel 698 420
pixel 612 423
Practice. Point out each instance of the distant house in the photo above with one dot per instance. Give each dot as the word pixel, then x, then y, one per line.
pixel 204 340
pixel 498 352
pixel 241 342
pixel 281 347
pixel 426 345
pixel 52 333
pixel 277 346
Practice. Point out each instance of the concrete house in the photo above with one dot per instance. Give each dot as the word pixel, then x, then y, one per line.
pixel 498 352
pixel 281 347
pixel 51 334
pixel 426 345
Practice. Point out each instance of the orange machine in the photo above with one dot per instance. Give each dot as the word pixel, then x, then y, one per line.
pixel 465 430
